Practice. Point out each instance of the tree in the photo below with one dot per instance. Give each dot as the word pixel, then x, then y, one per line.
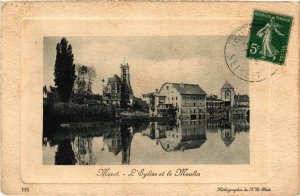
pixel 64 154
pixel 91 76
pixel 124 95
pixel 64 70
pixel 139 104
pixel 81 75
pixel 84 80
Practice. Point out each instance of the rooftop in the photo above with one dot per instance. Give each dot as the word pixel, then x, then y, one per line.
pixel 147 95
pixel 188 89
pixel 241 98
pixel 113 79
pixel 227 85
pixel 212 98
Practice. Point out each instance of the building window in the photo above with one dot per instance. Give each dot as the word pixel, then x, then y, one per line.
pixel 113 87
pixel 172 98
pixel 194 97
pixel 167 87
pixel 194 104
pixel 176 98
pixel 227 94
pixel 194 110
pixel 193 117
pixel 187 97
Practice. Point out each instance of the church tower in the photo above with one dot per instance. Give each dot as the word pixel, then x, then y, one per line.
pixel 227 93
pixel 126 138
pixel 125 76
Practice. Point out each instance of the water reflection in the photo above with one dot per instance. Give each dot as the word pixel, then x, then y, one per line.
pixel 182 136
pixel 112 143
pixel 83 150
pixel 65 154
pixel 227 134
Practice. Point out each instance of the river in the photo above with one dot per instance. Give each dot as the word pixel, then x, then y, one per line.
pixel 148 143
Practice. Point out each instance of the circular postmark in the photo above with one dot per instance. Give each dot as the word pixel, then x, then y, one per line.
pixel 246 69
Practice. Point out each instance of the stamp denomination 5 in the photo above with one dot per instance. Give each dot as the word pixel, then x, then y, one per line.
pixel 269 36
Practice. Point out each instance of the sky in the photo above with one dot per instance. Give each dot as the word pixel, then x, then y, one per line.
pixel 152 60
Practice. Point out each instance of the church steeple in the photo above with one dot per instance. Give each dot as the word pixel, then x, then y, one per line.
pixel 227 93
pixel 125 75
pixel 126 138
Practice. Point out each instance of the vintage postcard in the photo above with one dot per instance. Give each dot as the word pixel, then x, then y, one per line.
pixel 150 98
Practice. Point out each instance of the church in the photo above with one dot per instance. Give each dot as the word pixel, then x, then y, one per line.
pixel 231 99
pixel 112 90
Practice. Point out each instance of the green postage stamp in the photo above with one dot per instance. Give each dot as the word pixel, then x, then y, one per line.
pixel 269 36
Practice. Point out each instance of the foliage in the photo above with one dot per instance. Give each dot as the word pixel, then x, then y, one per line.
pixel 91 76
pixel 84 81
pixel 64 70
pixel 139 104
pixel 124 94
pixel 63 112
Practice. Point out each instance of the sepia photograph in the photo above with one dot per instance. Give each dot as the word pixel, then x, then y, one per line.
pixel 142 100
pixel 150 98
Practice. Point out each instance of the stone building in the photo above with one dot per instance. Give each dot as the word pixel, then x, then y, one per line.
pixel 112 90
pixel 241 101
pixel 215 108
pixel 157 105
pixel 213 102
pixel 238 104
pixel 188 100
pixel 230 98
pixel 227 94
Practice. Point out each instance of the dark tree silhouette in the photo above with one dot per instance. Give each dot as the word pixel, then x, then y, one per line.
pixel 126 137
pixel 65 154
pixel 124 94
pixel 64 71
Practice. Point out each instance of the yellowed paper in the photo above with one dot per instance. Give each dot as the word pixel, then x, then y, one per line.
pixel 269 163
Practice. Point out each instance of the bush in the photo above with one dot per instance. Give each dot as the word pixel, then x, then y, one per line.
pixel 60 111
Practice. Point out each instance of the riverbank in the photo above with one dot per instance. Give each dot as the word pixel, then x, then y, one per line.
pixel 73 112
pixel 59 112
